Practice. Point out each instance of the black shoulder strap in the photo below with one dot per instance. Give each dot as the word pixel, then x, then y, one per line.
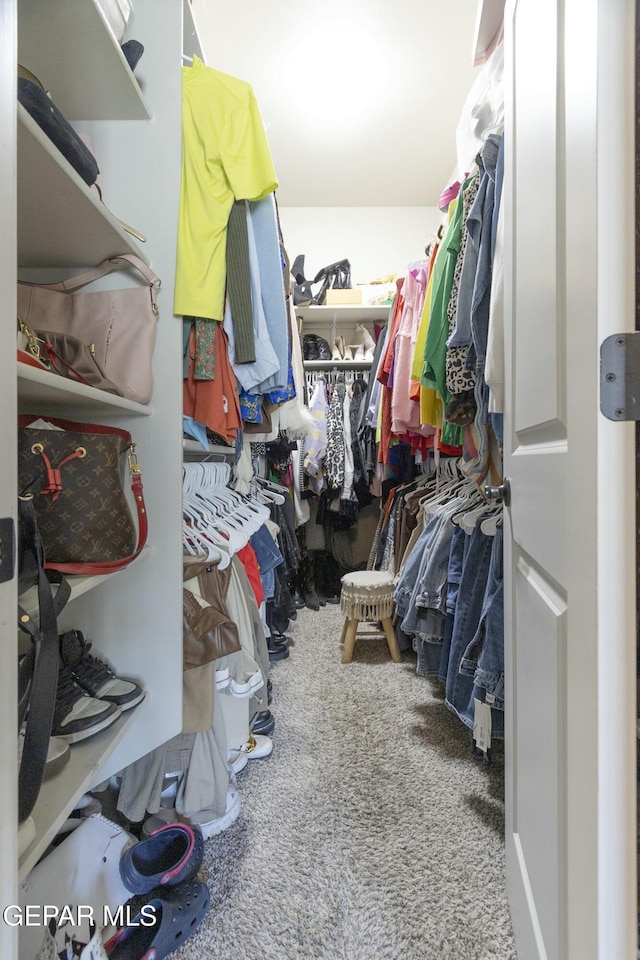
pixel 38 670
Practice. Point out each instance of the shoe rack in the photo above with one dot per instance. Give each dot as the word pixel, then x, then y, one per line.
pixel 331 322
pixel 134 617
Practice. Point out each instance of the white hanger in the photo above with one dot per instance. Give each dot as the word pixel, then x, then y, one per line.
pixel 490 526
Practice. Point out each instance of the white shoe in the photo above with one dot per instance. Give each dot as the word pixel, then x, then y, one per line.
pixel 368 342
pixel 257 747
pixel 93 950
pixel 232 810
pixel 237 760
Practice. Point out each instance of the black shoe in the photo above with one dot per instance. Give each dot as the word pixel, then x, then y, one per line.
pixel 310 593
pixel 264 723
pixel 77 715
pixel 279 640
pixel 94 676
pixel 298 597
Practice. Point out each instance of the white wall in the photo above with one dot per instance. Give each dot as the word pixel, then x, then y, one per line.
pixel 376 240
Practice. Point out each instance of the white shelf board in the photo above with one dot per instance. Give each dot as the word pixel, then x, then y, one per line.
pixel 84 61
pixel 193 449
pixel 79 585
pixel 42 392
pixel 337 364
pixel 352 312
pixel 61 221
pixel 59 794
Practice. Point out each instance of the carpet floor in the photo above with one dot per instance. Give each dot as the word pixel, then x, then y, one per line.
pixel 371 832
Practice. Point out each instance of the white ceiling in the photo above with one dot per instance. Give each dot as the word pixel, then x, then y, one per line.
pixel 361 98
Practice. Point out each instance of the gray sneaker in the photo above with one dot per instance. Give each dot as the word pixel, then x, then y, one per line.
pixel 94 676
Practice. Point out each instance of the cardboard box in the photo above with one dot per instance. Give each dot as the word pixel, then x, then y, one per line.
pixel 336 298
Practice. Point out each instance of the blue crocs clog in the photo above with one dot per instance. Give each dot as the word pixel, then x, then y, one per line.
pixel 162 925
pixel 171 854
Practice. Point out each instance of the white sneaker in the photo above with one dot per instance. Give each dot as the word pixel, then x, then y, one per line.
pixel 93 950
pixel 257 747
pixel 237 760
pixel 232 810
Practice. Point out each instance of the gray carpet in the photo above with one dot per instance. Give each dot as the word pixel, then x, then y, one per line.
pixel 371 832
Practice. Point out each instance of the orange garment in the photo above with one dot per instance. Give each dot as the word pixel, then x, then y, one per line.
pixel 248 559
pixel 214 403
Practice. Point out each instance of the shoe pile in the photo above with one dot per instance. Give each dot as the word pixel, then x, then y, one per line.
pixel 363 347
pixel 164 865
pixel 170 904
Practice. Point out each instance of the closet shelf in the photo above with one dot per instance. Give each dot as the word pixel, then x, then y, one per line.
pixel 351 312
pixel 42 392
pixel 61 221
pixel 337 364
pixel 83 63
pixel 192 450
pixel 58 795
pixel 79 585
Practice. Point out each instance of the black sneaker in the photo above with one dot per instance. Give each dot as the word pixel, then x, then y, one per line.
pixel 77 715
pixel 95 677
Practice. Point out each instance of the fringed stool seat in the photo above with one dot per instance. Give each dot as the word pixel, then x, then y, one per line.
pixel 367 597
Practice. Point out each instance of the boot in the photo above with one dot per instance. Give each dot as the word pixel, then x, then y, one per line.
pixel 309 591
pixel 327 577
pixel 298 597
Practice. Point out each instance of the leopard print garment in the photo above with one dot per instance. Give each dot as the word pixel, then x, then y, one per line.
pixel 458 379
pixel 334 454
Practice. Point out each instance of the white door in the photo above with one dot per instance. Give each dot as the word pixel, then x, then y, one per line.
pixel 570 535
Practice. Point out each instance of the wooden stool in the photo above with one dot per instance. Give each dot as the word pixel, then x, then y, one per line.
pixel 367 596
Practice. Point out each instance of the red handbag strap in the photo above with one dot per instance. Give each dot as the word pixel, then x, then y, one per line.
pixel 112 566
pixel 24 419
pixel 108 566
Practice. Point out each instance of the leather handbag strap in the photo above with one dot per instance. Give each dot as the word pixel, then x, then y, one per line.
pixel 104 268
pixel 37 675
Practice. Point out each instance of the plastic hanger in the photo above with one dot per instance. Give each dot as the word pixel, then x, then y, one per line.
pixel 490 525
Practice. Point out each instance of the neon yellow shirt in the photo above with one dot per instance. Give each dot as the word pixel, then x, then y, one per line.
pixel 225 157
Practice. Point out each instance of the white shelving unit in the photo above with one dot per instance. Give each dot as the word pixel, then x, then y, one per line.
pixel 44 392
pixel 133 617
pixel 70 48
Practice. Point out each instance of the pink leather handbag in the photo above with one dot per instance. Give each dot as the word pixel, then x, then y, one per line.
pixel 118 326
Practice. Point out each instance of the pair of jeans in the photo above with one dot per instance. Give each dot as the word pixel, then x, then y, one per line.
pixel 483 658
pixel 459 545
pixel 429 594
pixel 469 606
pixel 269 557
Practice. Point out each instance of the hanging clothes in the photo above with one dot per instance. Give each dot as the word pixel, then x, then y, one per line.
pixel 226 157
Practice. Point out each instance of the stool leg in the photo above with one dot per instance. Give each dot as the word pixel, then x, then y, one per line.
pixel 344 630
pixel 392 642
pixel 349 640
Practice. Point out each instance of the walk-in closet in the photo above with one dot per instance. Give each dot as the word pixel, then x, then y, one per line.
pixel 318 533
